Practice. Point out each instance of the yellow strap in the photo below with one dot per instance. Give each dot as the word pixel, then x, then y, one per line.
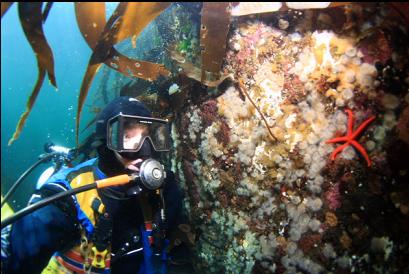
pixel 6 210
pixel 54 267
pixel 99 257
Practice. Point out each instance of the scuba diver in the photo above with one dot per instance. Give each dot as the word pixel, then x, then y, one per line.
pixel 120 229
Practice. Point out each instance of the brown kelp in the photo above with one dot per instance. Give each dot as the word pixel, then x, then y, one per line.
pixel 213 34
pixel 127 20
pixel 215 24
pixel 46 11
pixel 31 19
pixel 193 72
pixel 5 6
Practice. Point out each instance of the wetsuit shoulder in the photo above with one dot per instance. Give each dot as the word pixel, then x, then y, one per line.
pixel 34 238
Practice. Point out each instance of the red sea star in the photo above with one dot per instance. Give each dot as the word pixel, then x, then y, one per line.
pixel 349 139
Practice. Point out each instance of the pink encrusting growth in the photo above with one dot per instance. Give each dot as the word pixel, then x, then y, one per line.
pixel 209 113
pixel 333 197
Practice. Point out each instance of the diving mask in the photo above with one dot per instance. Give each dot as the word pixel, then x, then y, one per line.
pixel 126 133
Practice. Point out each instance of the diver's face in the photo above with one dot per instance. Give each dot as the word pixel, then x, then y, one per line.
pixel 132 140
pixel 133 136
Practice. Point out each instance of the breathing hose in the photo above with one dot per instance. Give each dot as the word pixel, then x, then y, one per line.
pixel 112 181
pixel 24 175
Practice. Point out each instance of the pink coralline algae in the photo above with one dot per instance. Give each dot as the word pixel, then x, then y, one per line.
pixel 375 47
pixel 209 113
pixel 333 197
pixel 255 37
pixel 243 56
pixel 250 41
pixel 223 135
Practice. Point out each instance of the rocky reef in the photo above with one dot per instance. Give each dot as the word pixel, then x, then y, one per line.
pixel 266 189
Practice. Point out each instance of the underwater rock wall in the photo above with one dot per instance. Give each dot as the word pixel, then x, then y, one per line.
pixel 265 191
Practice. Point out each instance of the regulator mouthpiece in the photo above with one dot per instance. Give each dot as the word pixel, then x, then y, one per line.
pixel 152 174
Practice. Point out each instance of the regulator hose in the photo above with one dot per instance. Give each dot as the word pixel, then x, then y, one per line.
pixel 112 181
pixel 24 175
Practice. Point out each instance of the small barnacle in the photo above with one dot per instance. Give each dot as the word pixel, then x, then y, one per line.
pixel 345 240
pixel 331 219
pixel 308 242
pixel 328 251
pixel 370 145
pixel 390 101
pixel 351 52
pixel 347 93
pixel 279 133
pixel 339 102
pixel 331 92
pixel 350 76
pixel 309 86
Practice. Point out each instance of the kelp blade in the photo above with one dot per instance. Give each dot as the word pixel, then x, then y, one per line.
pixel 127 20
pixel 5 6
pixel 213 35
pixel 29 106
pixel 31 20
